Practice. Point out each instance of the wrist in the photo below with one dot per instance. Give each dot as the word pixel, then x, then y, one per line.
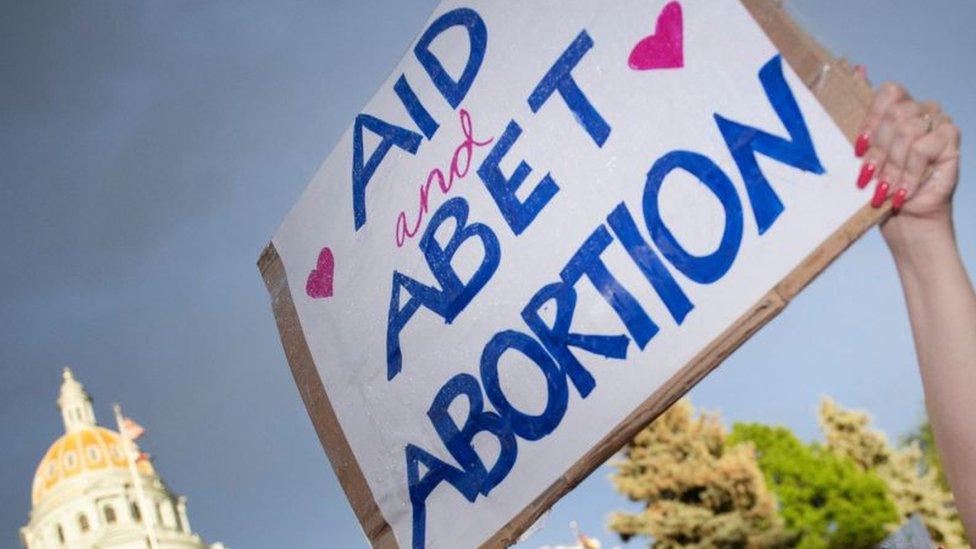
pixel 919 243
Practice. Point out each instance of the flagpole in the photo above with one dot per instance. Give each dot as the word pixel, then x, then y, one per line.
pixel 148 516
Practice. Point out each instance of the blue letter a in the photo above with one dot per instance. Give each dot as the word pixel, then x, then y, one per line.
pixel 362 172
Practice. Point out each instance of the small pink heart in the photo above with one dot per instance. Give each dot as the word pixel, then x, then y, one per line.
pixel 319 283
pixel 665 48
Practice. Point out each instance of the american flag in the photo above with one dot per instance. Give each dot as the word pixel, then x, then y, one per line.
pixel 132 429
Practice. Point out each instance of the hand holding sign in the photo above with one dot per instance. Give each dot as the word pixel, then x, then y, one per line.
pixel 913 149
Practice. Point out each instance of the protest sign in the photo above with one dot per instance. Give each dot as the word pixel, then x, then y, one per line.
pixel 550 222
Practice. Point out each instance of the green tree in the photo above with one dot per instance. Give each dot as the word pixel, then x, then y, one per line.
pixel 914 490
pixel 697 492
pixel 825 501
pixel 922 436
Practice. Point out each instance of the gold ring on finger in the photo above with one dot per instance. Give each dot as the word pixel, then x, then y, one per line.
pixel 929 122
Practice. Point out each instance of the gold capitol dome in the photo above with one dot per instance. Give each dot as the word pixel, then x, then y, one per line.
pixel 86 448
pixel 95 488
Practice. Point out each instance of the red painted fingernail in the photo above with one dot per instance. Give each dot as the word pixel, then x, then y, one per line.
pixel 862 145
pixel 867 172
pixel 899 199
pixel 880 194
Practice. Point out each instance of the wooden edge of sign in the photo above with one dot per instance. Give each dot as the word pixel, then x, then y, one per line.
pixel 319 406
pixel 846 100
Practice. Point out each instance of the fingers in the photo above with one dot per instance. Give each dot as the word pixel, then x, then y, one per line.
pixel 899 144
pixel 953 137
pixel 909 152
pixel 903 137
pixel 894 124
pixel 938 158
pixel 911 149
pixel 888 95
pixel 899 135
pixel 922 153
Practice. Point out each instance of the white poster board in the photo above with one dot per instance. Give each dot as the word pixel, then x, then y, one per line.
pixel 479 324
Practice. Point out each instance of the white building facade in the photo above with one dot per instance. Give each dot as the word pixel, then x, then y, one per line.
pixel 85 495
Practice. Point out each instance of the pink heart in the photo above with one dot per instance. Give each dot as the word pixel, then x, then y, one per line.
pixel 665 48
pixel 319 283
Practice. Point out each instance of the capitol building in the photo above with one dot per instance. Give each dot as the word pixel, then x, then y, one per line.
pixel 94 488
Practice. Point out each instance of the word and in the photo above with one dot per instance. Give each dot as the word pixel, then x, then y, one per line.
pixel 460 164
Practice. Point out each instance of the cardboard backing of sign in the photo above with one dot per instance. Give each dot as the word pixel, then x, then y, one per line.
pixel 843 95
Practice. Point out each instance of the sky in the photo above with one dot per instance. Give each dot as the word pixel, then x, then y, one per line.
pixel 149 151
